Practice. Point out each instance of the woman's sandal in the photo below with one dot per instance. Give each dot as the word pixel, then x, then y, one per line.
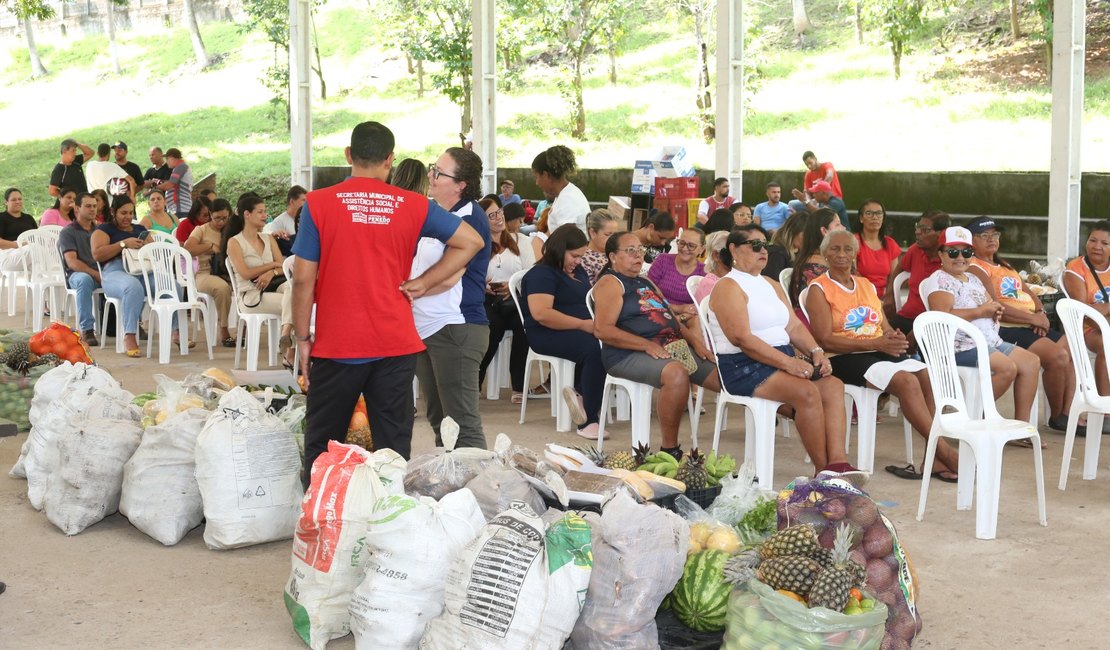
pixel 134 353
pixel 229 342
pixel 910 474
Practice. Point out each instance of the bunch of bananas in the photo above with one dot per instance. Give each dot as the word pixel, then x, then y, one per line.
pixel 661 464
pixel 718 467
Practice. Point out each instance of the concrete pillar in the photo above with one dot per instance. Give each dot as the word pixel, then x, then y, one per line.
pixel 729 97
pixel 1064 181
pixel 483 99
pixel 300 93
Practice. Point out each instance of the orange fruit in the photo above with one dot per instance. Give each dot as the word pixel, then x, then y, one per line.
pixel 791 595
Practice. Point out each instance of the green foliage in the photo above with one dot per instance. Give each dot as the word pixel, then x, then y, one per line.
pixel 1006 109
pixel 28 8
pixel 757 124
pixel 899 21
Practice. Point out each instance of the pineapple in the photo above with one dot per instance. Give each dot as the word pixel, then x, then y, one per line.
pixel 691 471
pixel 362 438
pixel 795 540
pixel 832 586
pixel 46 359
pixel 18 357
pixel 796 573
pixel 595 456
pixel 740 568
pixel 620 460
pixel 641 452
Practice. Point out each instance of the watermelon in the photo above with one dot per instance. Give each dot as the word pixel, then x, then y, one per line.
pixel 700 599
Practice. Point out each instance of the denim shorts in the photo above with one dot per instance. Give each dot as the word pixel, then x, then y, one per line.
pixel 741 374
pixel 970 358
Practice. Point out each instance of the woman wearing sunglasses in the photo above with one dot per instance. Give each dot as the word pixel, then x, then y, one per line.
pixel 846 318
pixel 644 340
pixel 756 336
pixel 670 270
pixel 960 293
pixel 920 261
pixel 1023 321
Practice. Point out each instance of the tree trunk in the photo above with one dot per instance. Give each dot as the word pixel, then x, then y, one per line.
pixel 113 49
pixel 579 106
pixel 319 69
pixel 194 35
pixel 408 63
pixel 37 68
pixel 419 78
pixel 1015 27
pixel 467 121
pixel 859 22
pixel 613 64
pixel 703 97
pixel 896 50
pixel 801 20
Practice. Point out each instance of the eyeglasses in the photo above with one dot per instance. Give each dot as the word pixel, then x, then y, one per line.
pixel 874 213
pixel 966 253
pixel 633 250
pixel 435 172
pixel 756 244
pixel 990 236
pixel 687 244
pixel 923 228
pixel 498 214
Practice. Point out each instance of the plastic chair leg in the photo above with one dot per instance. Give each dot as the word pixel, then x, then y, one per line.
pixel 988 484
pixel 527 388
pixel 1069 443
pixel 695 417
pixel 765 448
pixel 641 415
pixel 908 430
pixel 1094 442
pixel 603 415
pixel 969 469
pixel 930 454
pixel 718 423
pixel 865 429
pixel 1038 470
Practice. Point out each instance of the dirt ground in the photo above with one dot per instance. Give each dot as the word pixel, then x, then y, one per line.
pixel 113 587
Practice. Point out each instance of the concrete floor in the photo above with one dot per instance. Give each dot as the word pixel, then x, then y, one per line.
pixel 114 587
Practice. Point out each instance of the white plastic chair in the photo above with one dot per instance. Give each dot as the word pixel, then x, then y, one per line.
pixel 45 279
pixel 1087 399
pixel 250 326
pixel 11 280
pixel 784 278
pixel 162 286
pixel 71 294
pixel 499 368
pixel 111 303
pixel 562 370
pixel 982 434
pixel 160 237
pixel 640 396
pixel 759 415
pixel 900 281
pixel 972 394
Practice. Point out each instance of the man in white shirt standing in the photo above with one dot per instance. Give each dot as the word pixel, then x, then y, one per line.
pixel 98 172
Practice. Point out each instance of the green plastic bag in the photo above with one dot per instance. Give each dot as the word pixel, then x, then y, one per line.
pixel 759 618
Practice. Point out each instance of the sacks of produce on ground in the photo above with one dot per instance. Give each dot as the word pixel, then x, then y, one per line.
pixel 85 486
pixel 249 474
pixel 293 414
pixel 160 492
pixel 446 469
pixel 49 387
pixel 172 397
pixel 759 617
pixel 823 505
pixel 639 552
pixel 496 487
pixel 412 544
pixel 706 533
pixel 329 548
pixel 516 585
pixel 88 393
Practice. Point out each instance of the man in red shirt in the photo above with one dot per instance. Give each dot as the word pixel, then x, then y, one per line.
pixel 354 254
pixel 920 260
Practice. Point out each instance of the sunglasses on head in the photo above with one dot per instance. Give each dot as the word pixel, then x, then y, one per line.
pixel 966 253
pixel 756 244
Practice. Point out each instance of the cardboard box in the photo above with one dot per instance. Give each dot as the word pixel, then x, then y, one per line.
pixel 639 216
pixel 669 162
pixel 619 207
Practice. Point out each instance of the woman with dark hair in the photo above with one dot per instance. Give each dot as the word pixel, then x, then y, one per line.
pixel 600 225
pixel 509 257
pixel 158 218
pixel 13 223
pixel 921 260
pixel 1023 321
pixel 198 215
pixel 878 253
pixel 108 242
pixel 256 261
pixel 720 220
pixel 205 243
pixel 103 206
pixel 809 263
pixel 453 322
pixel 553 302
pixel 644 339
pixel 62 212
pixel 552 170
pixel 756 335
pixel 514 218
pixel 1086 279
pixel 412 175
pixel 658 230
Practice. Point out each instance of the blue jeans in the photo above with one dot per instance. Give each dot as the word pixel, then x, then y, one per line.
pixel 84 285
pixel 128 289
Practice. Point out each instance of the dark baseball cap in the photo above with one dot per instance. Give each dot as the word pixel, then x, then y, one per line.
pixel 980 225
pixel 120 144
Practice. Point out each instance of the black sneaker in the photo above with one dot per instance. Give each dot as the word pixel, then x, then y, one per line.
pixel 89 337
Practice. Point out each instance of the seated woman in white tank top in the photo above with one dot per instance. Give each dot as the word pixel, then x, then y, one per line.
pixel 755 333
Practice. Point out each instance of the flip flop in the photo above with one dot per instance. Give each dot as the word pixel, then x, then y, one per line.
pixel 229 342
pixel 910 474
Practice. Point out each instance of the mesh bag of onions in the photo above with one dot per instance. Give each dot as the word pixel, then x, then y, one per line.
pixel 825 504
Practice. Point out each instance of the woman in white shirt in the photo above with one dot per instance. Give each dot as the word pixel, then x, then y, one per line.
pixel 509 256
pixel 552 170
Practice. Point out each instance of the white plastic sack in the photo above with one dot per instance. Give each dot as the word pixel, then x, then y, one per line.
pixel 88 393
pixel 249 473
pixel 48 388
pixel 85 486
pixel 639 553
pixel 515 585
pixel 496 487
pixel 446 469
pixel 329 548
pixel 412 544
pixel 160 492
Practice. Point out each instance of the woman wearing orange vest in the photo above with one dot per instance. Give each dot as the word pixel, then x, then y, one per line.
pixel 1091 288
pixel 846 318
pixel 1024 322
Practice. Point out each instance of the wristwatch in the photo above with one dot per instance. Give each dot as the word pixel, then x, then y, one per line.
pixel 123 244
